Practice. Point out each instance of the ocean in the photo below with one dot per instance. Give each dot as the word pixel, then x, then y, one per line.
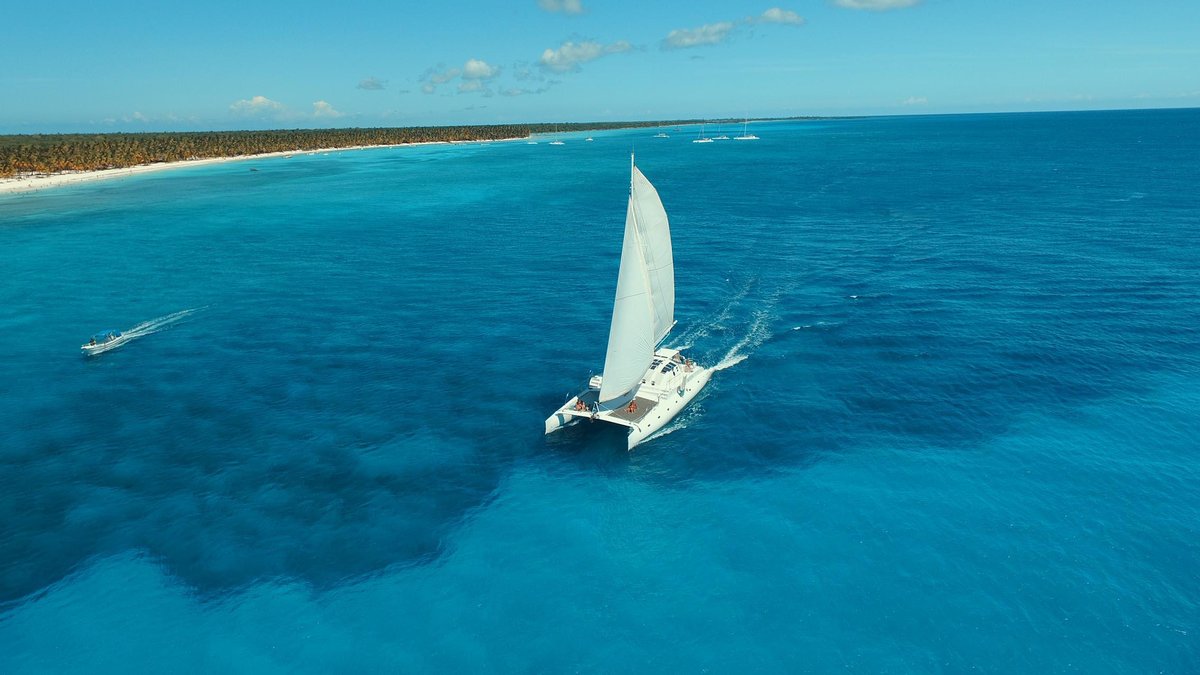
pixel 956 426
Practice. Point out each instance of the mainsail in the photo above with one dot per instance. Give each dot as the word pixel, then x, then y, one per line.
pixel 644 308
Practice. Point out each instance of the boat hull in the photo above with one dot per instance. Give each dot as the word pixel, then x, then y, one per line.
pixel 657 402
pixel 669 407
pixel 100 348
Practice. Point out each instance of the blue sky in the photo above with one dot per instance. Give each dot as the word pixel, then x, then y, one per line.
pixel 92 66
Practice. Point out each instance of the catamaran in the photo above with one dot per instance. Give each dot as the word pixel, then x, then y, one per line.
pixel 643 386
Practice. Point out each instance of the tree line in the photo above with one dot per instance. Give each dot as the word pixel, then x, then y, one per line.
pixel 53 153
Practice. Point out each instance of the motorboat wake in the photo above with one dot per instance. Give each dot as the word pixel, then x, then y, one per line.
pixel 111 338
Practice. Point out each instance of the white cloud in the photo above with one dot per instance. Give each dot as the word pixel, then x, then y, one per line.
pixel 323 109
pixel 778 15
pixel 444 76
pixel 521 91
pixel 708 34
pixel 474 73
pixel 434 76
pixel 256 106
pixel 915 100
pixel 564 6
pixel 875 5
pixel 570 55
pixel 372 84
pixel 479 70
pixel 716 33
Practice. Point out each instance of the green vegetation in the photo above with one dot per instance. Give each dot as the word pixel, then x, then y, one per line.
pixel 52 153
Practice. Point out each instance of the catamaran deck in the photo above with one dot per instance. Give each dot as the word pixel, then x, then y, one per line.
pixel 644 406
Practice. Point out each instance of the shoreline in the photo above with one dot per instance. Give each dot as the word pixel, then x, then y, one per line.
pixel 36 183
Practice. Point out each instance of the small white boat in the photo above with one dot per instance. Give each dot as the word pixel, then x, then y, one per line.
pixel 661 134
pixel 557 143
pixel 104 341
pixel 746 135
pixel 702 138
pixel 588 139
pixel 643 387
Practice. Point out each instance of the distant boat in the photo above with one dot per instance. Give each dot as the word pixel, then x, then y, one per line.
pixel 746 135
pixel 702 138
pixel 661 134
pixel 109 338
pixel 588 139
pixel 556 141
pixel 643 387
pixel 531 143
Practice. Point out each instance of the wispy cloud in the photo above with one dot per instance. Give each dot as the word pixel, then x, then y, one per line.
pixel 778 15
pixel 261 107
pixel 257 106
pixel 568 57
pixel 473 77
pixel 522 91
pixel 372 84
pixel 433 77
pixel 323 109
pixel 875 5
pixel 915 100
pixel 562 6
pixel 716 33
pixel 708 34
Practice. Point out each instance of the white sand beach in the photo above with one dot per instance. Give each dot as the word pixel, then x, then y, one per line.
pixel 42 181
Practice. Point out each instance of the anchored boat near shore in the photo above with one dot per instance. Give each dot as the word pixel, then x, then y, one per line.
pixel 643 387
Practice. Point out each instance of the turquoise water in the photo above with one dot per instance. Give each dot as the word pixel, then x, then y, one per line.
pixel 956 426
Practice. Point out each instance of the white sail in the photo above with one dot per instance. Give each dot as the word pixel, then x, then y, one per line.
pixel 644 308
pixel 631 335
pixel 656 252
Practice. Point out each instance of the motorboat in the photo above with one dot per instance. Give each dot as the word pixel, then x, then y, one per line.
pixel 104 341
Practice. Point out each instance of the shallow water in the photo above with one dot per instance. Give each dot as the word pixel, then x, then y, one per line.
pixel 955 425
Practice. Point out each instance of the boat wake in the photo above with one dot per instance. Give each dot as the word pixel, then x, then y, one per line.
pixel 758 333
pixel 154 325
pixel 688 337
pixel 141 330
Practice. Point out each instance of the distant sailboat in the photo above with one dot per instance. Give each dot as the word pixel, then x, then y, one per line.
pixel 661 134
pixel 643 387
pixel 722 136
pixel 702 138
pixel 556 141
pixel 746 135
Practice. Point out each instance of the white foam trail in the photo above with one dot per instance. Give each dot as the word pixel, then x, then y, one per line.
pixel 758 334
pixel 698 331
pixel 154 325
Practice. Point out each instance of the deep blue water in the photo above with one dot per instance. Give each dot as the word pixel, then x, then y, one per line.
pixel 958 425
